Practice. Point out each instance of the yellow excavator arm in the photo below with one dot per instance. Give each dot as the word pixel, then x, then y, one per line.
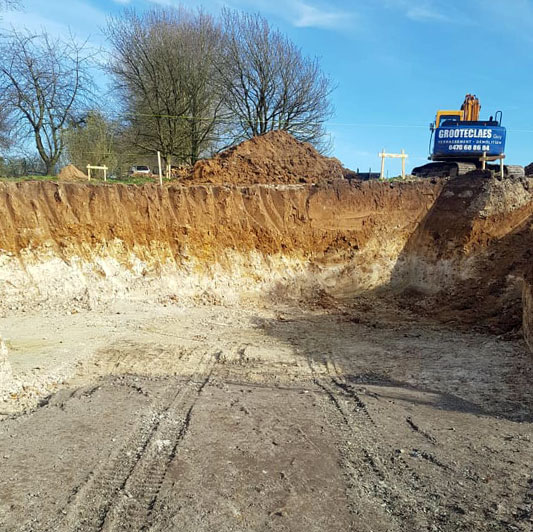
pixel 469 111
pixel 471 108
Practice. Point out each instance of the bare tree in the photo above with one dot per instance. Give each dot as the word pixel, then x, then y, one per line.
pixel 5 126
pixel 10 4
pixel 163 62
pixel 5 129
pixel 92 139
pixel 201 45
pixel 269 84
pixel 42 82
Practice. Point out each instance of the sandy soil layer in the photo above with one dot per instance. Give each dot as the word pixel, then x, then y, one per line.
pixel 224 418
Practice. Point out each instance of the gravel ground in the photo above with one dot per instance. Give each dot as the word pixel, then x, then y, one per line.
pixel 219 418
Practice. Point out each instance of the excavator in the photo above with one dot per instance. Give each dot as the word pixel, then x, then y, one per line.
pixel 462 142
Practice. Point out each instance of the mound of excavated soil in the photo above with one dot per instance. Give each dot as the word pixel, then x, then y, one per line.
pixel 71 173
pixel 275 157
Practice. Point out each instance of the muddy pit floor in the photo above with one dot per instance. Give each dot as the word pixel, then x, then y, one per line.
pixel 214 418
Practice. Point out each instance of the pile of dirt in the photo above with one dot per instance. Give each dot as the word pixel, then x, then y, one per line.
pixel 275 157
pixel 71 173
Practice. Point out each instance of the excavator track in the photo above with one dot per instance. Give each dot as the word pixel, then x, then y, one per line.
pixel 454 169
pixel 443 169
pixel 514 170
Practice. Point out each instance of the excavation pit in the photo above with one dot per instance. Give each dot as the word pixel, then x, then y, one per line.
pixel 328 356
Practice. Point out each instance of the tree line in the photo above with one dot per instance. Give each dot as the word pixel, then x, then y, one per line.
pixel 183 82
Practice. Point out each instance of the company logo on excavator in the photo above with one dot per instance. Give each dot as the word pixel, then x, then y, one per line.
pixel 465 133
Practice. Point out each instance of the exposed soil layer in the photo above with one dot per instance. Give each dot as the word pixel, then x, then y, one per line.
pixel 274 157
pixel 471 252
pixel 206 220
pixel 456 250
pixel 68 241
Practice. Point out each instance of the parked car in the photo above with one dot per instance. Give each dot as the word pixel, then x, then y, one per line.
pixel 140 170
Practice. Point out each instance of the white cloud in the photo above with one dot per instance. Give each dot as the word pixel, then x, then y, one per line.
pixel 298 13
pixel 421 10
pixel 308 16
pixel 425 13
pixel 74 16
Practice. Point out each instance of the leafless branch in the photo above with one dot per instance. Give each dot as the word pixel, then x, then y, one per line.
pixel 268 83
pixel 163 63
pixel 43 81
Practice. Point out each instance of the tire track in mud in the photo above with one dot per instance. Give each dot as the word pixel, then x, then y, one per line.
pixel 121 492
pixel 386 492
pixel 367 478
pixel 133 509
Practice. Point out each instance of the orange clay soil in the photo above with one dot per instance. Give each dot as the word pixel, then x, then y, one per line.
pixel 477 244
pixel 203 221
pixel 275 157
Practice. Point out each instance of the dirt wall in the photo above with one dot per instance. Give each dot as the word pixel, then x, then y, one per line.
pixel 469 255
pixel 456 250
pixel 87 243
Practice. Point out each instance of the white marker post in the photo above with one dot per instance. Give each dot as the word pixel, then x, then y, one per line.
pixel 90 167
pixel 159 166
pixel 403 156
pixel 489 158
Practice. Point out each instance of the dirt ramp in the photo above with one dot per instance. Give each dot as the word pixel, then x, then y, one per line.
pixel 471 252
pixel 275 157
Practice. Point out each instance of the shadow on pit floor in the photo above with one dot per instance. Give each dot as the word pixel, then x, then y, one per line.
pixel 488 302
pixel 433 367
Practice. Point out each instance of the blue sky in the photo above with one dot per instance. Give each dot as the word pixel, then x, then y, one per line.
pixel 394 62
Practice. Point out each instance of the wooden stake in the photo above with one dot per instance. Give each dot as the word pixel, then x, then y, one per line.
pixel 159 166
pixel 403 156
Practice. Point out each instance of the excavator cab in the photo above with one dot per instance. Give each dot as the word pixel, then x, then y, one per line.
pixel 456 116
